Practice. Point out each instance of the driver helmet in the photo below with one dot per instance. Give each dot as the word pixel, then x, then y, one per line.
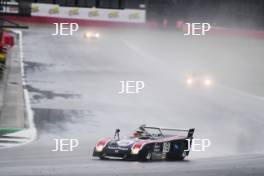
pixel 140 131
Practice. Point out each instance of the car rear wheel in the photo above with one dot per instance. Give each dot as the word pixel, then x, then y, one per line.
pixel 178 153
pixel 179 157
pixel 183 155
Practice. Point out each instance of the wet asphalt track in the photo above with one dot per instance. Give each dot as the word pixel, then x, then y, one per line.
pixel 74 83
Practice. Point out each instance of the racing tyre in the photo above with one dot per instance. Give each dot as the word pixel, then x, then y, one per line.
pixel 182 156
pixel 179 157
pixel 179 154
pixel 147 156
pixel 102 157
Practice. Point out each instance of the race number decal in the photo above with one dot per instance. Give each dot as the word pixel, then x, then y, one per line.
pixel 166 147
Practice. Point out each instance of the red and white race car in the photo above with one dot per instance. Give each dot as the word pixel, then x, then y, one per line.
pixel 145 144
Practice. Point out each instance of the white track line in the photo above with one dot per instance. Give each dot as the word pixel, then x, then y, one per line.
pixel 31 132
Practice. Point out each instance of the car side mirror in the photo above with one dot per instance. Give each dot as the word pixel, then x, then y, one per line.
pixel 117 131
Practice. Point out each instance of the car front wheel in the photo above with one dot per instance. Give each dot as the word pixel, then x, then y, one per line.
pixel 147 156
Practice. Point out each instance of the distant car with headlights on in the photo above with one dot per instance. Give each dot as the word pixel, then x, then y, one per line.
pixel 147 143
pixel 198 80
pixel 92 35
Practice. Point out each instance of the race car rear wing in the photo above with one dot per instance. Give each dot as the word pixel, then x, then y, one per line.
pixel 189 135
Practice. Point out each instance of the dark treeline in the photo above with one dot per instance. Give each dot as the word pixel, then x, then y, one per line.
pixel 233 13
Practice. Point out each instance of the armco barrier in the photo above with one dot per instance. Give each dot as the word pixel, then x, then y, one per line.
pixel 101 23
pixel 149 24
pixel 82 13
pixel 52 13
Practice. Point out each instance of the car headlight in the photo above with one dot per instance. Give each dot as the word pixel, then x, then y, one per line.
pixel 189 81
pixel 99 148
pixel 101 144
pixel 88 35
pixel 136 148
pixel 135 151
pixel 97 35
pixel 207 82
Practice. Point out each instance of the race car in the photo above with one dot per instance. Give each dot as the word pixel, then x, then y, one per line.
pixel 147 143
pixel 92 35
pixel 198 80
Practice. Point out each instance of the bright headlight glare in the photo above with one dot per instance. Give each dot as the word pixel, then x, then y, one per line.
pixel 136 148
pixel 207 82
pixel 97 35
pixel 99 148
pixel 88 34
pixel 135 151
pixel 189 81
